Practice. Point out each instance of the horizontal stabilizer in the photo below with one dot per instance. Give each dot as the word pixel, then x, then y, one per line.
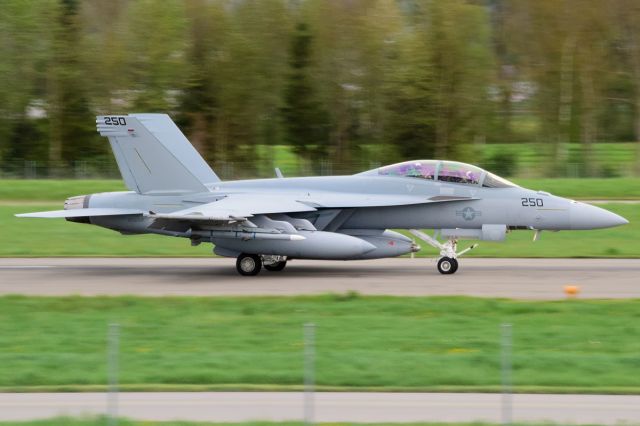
pixel 81 213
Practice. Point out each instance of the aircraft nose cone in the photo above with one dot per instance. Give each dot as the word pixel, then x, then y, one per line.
pixel 586 216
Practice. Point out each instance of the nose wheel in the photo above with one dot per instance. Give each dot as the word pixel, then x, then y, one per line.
pixel 447 265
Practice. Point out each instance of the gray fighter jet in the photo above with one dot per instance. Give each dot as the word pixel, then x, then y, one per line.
pixel 173 192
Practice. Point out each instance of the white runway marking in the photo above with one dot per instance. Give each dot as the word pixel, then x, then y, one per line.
pixel 26 267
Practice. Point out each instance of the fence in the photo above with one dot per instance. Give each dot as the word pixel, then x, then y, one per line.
pixel 528 160
pixel 309 354
pixel 104 169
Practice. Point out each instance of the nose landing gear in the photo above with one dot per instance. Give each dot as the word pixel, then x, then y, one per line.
pixel 448 263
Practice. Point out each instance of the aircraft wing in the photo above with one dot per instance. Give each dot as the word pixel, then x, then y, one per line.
pixel 240 206
pixel 351 200
pixel 251 208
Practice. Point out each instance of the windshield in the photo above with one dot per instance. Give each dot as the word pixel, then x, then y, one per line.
pixel 419 169
pixel 444 171
pixel 495 181
pixel 451 171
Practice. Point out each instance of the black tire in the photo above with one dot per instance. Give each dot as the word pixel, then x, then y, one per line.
pixel 248 264
pixel 447 265
pixel 455 266
pixel 275 267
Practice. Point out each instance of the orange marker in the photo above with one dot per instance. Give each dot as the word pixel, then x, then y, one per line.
pixel 571 290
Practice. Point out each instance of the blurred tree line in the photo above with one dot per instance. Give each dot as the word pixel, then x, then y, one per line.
pixel 339 81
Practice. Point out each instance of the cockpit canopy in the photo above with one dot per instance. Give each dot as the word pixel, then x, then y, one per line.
pixel 444 171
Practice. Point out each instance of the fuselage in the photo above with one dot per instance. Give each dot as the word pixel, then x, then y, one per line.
pixel 515 207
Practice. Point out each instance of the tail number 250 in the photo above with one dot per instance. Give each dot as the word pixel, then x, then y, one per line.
pixel 115 121
pixel 532 202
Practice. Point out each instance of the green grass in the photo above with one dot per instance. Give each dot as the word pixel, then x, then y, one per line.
pixel 54 190
pixel 59 190
pixel 593 189
pixel 367 343
pixel 612 159
pixel 57 237
pixel 100 421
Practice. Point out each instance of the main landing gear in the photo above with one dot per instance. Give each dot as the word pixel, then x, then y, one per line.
pixel 251 264
pixel 448 263
pixel 248 264
pixel 274 263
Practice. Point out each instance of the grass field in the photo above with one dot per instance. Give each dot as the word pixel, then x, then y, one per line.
pixel 57 190
pixel 592 189
pixel 612 158
pixel 53 190
pixel 57 237
pixel 66 421
pixel 365 343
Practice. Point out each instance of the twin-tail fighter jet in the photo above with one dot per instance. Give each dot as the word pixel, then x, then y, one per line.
pixel 267 222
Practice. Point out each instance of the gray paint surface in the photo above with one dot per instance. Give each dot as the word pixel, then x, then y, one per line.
pixel 330 407
pixel 511 278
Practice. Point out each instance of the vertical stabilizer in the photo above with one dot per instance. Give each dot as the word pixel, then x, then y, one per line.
pixel 153 155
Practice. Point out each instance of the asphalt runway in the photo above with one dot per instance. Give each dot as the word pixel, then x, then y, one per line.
pixel 328 407
pixel 511 278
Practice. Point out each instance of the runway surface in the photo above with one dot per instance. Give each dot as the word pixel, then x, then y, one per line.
pixel 328 407
pixel 512 278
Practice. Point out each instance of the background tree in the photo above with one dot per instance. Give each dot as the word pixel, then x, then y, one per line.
pixel 199 102
pixel 410 99
pixel 550 65
pixel 592 46
pixel 363 82
pixel 156 54
pixel 352 47
pixel 72 122
pixel 25 51
pixel 461 60
pixel 253 73
pixel 306 122
pixel 627 12
pixel 104 55
pixel 506 65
